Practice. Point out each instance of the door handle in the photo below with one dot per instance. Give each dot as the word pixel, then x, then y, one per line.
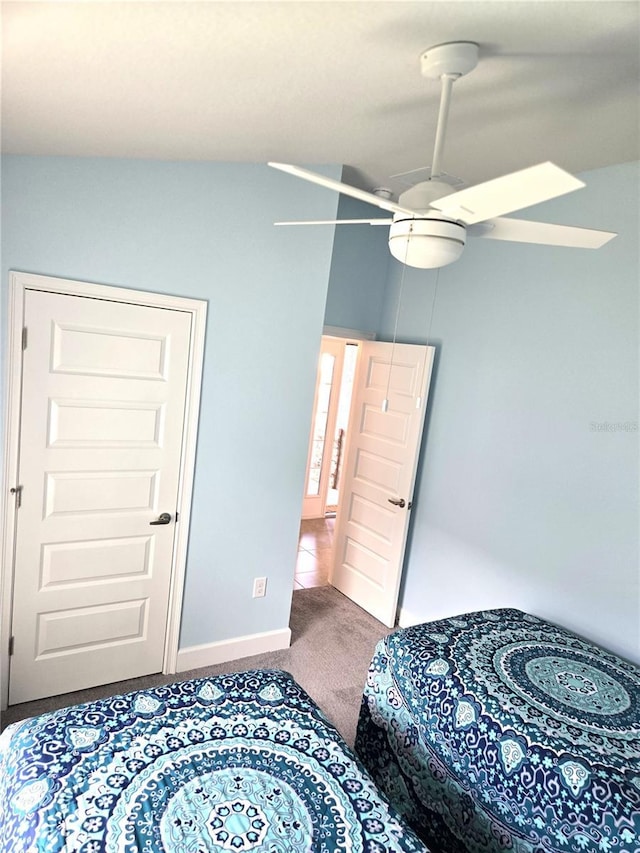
pixel 397 502
pixel 163 518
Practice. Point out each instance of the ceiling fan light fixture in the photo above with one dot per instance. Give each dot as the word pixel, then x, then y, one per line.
pixel 426 243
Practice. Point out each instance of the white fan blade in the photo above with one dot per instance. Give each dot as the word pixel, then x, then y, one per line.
pixel 525 231
pixel 338 222
pixel 345 189
pixel 508 193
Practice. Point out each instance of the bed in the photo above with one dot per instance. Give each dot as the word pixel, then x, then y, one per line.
pixel 499 731
pixel 242 762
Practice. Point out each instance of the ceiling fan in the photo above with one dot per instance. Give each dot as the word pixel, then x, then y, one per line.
pixel 431 221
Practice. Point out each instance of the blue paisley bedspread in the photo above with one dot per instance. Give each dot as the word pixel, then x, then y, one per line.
pixel 243 762
pixel 499 731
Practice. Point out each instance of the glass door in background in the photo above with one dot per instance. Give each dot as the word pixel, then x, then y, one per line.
pixel 332 403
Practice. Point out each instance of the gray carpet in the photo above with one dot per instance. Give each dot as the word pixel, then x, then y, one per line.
pixel 331 646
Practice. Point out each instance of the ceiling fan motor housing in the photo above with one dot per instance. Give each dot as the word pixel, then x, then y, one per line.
pixel 426 243
pixel 420 196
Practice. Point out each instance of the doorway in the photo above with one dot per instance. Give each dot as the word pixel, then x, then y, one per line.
pixel 335 376
pixel 363 554
pixel 327 442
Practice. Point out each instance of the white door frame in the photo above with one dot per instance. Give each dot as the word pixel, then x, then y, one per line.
pixel 19 282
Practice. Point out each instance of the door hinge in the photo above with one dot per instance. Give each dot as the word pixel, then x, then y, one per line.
pixel 24 338
pixel 17 491
pixel 11 642
pixel 177 515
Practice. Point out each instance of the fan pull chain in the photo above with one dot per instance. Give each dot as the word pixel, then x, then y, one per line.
pixel 385 402
pixel 433 308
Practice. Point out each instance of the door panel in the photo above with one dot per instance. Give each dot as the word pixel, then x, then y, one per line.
pixel 102 418
pixel 106 352
pixel 96 560
pixel 380 466
pixel 81 628
pixel 103 423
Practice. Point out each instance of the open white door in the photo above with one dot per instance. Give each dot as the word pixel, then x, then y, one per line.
pixel 102 419
pixel 379 474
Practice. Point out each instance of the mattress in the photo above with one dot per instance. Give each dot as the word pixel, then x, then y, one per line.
pixel 242 762
pixel 499 731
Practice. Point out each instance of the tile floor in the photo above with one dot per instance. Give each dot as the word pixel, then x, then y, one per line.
pixel 314 553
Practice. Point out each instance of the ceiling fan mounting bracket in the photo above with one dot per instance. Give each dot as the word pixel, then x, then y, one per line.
pixel 453 59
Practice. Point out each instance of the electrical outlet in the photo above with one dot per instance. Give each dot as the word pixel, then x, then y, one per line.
pixel 259 587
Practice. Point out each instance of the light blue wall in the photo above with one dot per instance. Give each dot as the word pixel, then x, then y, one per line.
pixel 518 501
pixel 205 231
pixel 359 269
pixel 524 498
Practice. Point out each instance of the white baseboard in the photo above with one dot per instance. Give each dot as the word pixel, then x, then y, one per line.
pixel 210 654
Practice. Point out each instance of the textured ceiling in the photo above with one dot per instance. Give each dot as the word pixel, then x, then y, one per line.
pixel 323 82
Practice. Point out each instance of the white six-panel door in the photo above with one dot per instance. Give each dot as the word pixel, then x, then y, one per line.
pixel 379 474
pixel 102 419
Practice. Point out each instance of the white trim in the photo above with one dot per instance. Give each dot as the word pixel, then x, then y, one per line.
pixel 15 313
pixel 185 488
pixel 210 654
pixel 19 282
pixel 350 334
